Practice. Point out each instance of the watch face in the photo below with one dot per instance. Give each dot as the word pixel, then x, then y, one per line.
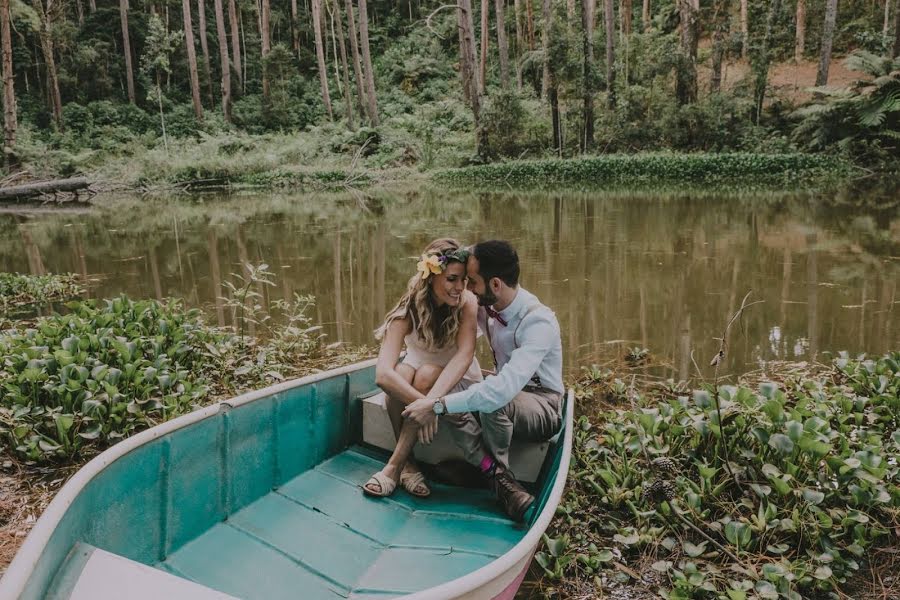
pixel 438 408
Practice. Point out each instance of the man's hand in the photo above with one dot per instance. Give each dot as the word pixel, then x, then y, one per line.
pixel 421 412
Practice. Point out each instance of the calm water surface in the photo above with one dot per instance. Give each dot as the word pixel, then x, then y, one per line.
pixel 662 272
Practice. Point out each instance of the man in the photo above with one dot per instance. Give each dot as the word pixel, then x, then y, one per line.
pixel 522 399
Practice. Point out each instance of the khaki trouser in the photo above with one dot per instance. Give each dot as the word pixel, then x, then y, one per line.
pixel 533 415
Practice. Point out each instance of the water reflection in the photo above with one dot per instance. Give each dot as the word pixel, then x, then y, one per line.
pixel 660 272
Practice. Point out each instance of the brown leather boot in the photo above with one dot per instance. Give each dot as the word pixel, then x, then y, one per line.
pixel 514 499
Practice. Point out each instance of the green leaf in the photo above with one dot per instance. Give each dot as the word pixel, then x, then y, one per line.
pixel 782 443
pixel 823 572
pixel 694 550
pixel 813 496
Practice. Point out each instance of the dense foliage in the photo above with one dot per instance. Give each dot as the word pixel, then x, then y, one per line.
pixel 424 119
pixel 773 493
pixel 749 169
pixel 18 291
pixel 72 384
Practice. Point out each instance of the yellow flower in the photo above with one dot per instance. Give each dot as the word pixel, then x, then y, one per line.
pixel 428 265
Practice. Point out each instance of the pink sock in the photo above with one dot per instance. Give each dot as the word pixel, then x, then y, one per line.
pixel 487 463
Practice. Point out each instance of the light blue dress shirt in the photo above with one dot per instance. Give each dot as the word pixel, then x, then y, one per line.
pixel 528 346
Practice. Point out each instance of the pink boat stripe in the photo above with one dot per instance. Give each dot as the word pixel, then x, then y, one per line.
pixel 510 592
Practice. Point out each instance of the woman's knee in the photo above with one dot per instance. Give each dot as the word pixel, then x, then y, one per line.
pixel 425 377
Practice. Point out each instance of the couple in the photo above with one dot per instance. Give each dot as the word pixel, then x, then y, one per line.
pixel 439 380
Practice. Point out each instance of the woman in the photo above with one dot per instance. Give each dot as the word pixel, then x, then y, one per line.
pixel 435 320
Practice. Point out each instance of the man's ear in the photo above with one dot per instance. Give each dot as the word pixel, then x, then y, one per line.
pixel 496 284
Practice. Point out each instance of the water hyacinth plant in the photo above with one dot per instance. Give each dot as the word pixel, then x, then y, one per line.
pixel 18 291
pixel 100 373
pixel 816 488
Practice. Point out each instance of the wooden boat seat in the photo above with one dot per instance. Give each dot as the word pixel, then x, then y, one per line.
pixel 525 458
pixel 94 574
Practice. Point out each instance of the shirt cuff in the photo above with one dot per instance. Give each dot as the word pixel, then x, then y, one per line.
pixel 457 402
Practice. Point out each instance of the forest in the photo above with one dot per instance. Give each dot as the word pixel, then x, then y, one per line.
pixel 92 86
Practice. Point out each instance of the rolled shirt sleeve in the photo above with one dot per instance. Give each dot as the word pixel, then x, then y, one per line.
pixel 496 391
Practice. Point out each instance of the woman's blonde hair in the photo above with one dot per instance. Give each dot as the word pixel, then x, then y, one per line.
pixel 435 325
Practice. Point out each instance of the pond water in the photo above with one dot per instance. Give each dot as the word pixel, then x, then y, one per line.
pixel 621 270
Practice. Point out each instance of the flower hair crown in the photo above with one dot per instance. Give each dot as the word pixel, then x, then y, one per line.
pixel 436 263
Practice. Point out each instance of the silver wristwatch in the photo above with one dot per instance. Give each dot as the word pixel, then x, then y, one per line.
pixel 439 407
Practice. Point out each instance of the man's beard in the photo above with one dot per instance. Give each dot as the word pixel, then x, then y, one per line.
pixel 487 298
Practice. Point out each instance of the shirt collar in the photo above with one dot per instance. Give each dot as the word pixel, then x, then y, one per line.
pixel 515 307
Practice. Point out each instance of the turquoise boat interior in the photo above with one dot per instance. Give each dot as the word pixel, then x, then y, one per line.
pixel 261 498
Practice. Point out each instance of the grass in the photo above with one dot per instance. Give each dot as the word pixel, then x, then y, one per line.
pixel 746 170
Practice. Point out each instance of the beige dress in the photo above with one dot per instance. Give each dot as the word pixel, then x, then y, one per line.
pixel 417 354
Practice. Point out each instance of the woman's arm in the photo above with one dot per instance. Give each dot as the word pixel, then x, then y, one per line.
pixel 465 350
pixel 386 375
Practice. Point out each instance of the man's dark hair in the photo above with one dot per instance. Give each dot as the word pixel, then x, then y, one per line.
pixel 497 258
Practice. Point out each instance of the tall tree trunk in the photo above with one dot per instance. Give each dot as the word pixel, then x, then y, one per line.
pixel 886 28
pixel 645 15
pixel 235 43
pixel 354 53
pixel 721 26
pixel 79 11
pixel 502 44
pixel 204 47
pixel 223 59
pixel 295 28
pixel 550 82
pixel 686 79
pixel 266 43
pixel 520 41
pixel 745 28
pixel 610 24
pixel 587 24
pixel 764 59
pixel 547 21
pixel 367 62
pixel 627 9
pixel 320 55
pixel 44 16
pixel 126 49
pixel 10 122
pixel 800 38
pixel 92 5
pixel 827 40
pixel 468 71
pixel 192 58
pixel 485 40
pixel 529 13
pixel 896 50
pixel 345 71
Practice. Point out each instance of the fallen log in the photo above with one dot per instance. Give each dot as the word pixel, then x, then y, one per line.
pixel 40 188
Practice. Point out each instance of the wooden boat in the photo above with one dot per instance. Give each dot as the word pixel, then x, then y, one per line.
pixel 259 497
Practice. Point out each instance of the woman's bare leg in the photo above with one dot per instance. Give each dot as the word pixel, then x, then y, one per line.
pixel 423 379
pixel 394 406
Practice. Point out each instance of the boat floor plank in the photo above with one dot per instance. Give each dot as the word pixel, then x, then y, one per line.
pixel 320 534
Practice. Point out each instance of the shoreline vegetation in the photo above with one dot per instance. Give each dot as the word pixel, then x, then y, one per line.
pixel 778 485
pixel 734 170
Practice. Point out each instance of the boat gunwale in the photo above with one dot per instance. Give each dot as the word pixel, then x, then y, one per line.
pixel 19 571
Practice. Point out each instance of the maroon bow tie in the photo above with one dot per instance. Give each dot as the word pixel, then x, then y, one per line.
pixel 495 315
